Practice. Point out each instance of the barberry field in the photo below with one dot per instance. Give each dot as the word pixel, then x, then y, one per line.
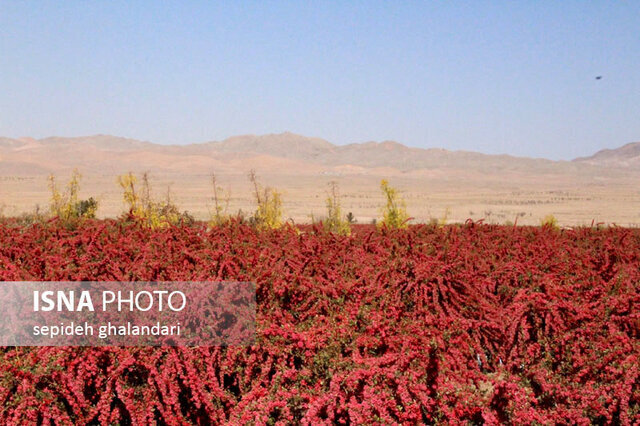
pixel 450 324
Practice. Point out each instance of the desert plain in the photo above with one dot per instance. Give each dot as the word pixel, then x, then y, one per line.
pixel 450 186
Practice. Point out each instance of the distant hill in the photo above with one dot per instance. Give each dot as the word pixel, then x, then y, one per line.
pixel 626 156
pixel 284 153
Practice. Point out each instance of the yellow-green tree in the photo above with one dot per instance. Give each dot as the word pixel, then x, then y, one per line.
pixel 335 222
pixel 268 215
pixel 142 206
pixel 65 205
pixel 394 214
pixel 550 221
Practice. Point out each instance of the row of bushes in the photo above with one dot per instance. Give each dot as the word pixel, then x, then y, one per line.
pixel 143 207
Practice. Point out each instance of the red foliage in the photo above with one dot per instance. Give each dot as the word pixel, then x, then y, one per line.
pixel 473 323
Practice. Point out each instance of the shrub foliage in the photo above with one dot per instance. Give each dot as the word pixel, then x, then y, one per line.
pixel 142 207
pixel 268 214
pixel 454 325
pixel 394 213
pixel 65 204
pixel 335 220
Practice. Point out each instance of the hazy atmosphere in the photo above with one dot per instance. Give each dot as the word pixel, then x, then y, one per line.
pixel 492 77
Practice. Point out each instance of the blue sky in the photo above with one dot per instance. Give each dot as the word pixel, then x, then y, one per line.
pixel 495 77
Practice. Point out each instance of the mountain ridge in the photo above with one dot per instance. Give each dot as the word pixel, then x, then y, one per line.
pixel 279 152
pixel 627 155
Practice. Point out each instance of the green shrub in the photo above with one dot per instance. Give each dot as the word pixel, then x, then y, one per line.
pixel 334 222
pixel 86 208
pixel 155 214
pixel 351 218
pixel 268 215
pixel 394 214
pixel 549 221
pixel 65 205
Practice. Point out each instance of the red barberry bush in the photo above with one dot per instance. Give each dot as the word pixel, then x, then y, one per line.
pixel 455 324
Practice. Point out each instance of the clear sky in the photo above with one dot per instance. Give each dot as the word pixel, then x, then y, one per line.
pixel 496 77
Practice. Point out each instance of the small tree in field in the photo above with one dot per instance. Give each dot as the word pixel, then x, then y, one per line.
pixel 155 214
pixel 65 205
pixel 334 221
pixel 394 214
pixel 268 215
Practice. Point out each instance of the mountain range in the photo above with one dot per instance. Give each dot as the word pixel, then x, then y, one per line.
pixel 284 153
